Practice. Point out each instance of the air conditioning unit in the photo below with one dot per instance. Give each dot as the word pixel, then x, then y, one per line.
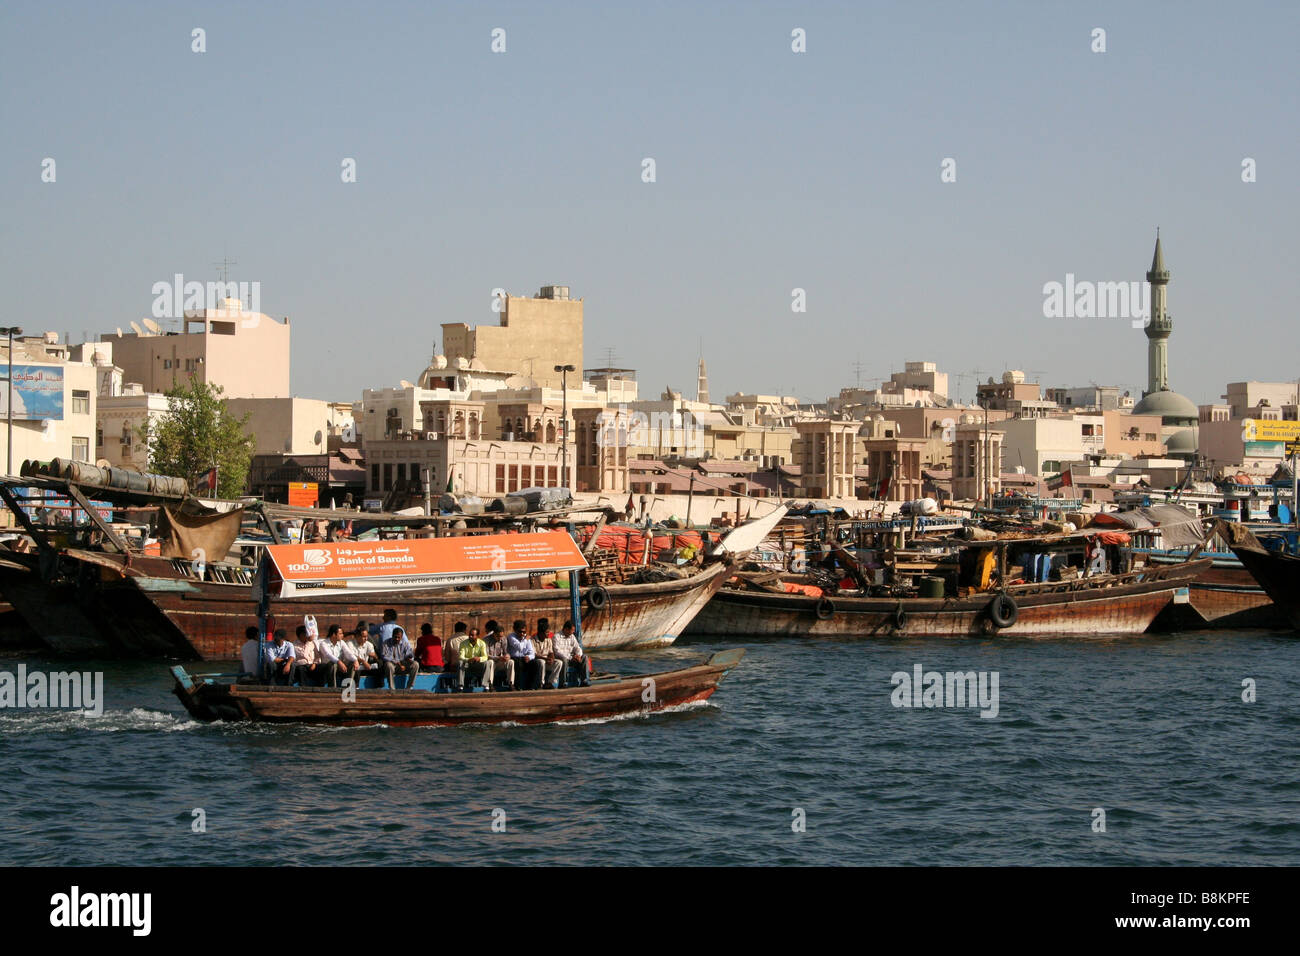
pixel 431 436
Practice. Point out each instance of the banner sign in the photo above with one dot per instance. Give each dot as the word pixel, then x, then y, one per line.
pixel 1259 429
pixel 408 564
pixel 38 393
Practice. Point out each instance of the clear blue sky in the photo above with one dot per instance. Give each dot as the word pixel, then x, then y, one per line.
pixel 775 170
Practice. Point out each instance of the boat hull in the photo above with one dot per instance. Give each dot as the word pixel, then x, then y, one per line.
pixel 1278 575
pixel 615 697
pixel 1126 605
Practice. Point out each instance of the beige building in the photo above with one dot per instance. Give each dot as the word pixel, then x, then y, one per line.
pixel 55 399
pixel 535 335
pixel 894 467
pixel 246 353
pixel 825 454
pixel 976 462
pixel 485 467
pixel 599 454
pixel 292 426
pixel 121 419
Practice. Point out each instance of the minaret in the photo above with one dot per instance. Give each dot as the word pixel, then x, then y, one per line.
pixel 702 384
pixel 1160 325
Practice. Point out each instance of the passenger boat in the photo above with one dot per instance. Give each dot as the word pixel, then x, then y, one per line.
pixel 211 698
pixel 291 575
pixel 962 605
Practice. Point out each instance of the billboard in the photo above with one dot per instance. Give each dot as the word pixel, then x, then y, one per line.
pixel 421 562
pixel 38 393
pixel 1258 429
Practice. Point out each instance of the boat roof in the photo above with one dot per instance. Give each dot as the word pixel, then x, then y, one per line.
pixel 411 563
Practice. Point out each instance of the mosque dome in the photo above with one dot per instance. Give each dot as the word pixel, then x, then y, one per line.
pixel 1173 409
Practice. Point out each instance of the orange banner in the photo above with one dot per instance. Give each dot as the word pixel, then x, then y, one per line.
pixel 421 562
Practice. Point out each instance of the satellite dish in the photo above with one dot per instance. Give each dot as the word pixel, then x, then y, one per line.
pixel 152 326
pixel 318 437
pixel 136 327
pixel 406 384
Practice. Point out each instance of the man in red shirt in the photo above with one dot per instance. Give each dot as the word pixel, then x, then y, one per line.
pixel 428 649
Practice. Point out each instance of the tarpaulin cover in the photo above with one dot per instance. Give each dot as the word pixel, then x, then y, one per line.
pixel 196 533
pixel 1179 528
pixel 629 543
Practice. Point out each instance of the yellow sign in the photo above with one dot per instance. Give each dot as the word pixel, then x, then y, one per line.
pixel 1292 448
pixel 1257 429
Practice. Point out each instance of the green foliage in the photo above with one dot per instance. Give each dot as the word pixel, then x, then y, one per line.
pixel 196 433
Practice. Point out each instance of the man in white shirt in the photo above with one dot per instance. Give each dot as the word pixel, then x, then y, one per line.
pixel 345 658
pixel 577 669
pixel 250 655
pixel 364 651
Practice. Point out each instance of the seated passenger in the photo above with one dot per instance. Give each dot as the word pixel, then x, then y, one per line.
pixel 474 663
pixel 280 656
pixel 503 665
pixel 451 649
pixel 307 668
pixel 399 658
pixel 345 658
pixel 577 669
pixel 549 665
pixel 527 667
pixel 251 654
pixel 367 659
pixel 428 649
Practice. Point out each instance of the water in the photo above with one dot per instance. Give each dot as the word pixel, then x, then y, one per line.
pixel 1152 730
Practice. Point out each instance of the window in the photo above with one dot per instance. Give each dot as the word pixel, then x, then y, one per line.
pixel 388 477
pixel 1149 436
pixel 501 479
pixel 80 402
pixel 81 449
pixel 512 483
pixel 553 476
pixel 99 437
pixel 374 476
pixel 401 471
pixel 167 363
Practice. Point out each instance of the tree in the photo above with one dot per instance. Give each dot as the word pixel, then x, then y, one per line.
pixel 198 433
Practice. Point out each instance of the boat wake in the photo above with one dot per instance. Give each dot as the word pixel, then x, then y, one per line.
pixel 638 715
pixel 75 721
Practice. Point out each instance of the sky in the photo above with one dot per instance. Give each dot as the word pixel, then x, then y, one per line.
pixel 775 170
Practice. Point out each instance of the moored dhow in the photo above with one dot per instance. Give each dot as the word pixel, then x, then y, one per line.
pixel 977 596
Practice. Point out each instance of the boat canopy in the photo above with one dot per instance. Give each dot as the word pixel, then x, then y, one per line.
pixel 411 563
pixel 1178 527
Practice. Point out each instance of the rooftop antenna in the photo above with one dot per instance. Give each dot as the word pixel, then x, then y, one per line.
pixel 857 370
pixel 225 265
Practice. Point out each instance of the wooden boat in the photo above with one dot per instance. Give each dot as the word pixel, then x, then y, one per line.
pixel 123 602
pixel 210 699
pixel 1224 595
pixel 206 619
pixel 1278 572
pixel 1108 604
pixel 967 603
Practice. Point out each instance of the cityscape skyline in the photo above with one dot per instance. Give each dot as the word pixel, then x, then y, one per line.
pixel 775 171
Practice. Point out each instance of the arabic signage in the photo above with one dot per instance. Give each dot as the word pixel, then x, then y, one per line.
pixel 1258 429
pixel 38 393
pixel 407 564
